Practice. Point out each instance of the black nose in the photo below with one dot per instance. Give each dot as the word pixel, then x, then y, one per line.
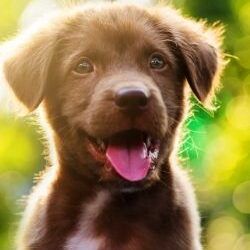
pixel 132 99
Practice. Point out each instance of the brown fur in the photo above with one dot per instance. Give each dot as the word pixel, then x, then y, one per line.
pixel 156 213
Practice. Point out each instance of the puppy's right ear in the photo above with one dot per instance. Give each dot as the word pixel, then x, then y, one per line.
pixel 25 65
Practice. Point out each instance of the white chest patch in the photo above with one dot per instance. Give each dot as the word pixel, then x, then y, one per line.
pixel 83 238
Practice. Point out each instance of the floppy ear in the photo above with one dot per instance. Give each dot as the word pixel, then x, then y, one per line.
pixel 26 62
pixel 197 48
pixel 201 61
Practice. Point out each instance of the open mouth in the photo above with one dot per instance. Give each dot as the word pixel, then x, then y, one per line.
pixel 131 153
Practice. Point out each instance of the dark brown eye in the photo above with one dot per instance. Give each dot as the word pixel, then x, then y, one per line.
pixel 84 66
pixel 157 61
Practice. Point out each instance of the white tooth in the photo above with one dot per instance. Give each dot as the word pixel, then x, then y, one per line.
pixel 102 145
pixel 153 167
pixel 154 154
pixel 148 141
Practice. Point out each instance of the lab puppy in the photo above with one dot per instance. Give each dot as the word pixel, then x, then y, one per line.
pixel 112 82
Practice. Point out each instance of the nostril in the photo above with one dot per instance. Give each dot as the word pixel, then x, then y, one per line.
pixel 131 98
pixel 143 101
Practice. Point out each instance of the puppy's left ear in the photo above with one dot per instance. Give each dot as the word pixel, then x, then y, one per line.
pixel 198 49
pixel 202 61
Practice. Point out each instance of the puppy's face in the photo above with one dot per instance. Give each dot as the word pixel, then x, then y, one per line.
pixel 122 86
pixel 113 86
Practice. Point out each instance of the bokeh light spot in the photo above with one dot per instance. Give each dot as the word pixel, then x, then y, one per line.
pixel 238 113
pixel 223 233
pixel 244 17
pixel 243 243
pixel 241 197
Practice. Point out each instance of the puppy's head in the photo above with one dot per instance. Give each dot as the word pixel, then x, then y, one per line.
pixel 112 81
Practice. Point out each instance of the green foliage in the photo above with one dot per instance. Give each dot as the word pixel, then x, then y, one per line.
pixel 20 152
pixel 216 147
pixel 10 11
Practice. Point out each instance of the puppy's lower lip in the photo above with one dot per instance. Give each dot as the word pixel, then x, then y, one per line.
pixel 130 153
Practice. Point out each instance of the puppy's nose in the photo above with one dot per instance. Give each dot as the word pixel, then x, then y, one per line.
pixel 132 99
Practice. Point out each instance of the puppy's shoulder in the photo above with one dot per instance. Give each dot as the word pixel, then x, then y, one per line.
pixel 185 198
pixel 33 226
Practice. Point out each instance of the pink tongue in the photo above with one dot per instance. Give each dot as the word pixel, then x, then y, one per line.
pixel 129 160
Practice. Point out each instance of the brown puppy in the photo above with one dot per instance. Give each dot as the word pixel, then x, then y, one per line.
pixel 112 83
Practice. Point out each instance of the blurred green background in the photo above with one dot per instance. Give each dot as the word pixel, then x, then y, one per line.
pixel 216 148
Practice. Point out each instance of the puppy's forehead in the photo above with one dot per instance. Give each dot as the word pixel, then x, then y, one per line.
pixel 113 30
